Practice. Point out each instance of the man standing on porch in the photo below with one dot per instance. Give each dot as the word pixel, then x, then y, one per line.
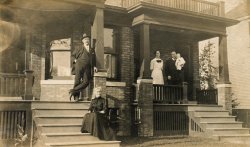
pixel 170 70
pixel 84 61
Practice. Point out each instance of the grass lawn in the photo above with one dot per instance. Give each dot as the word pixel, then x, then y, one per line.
pixel 174 141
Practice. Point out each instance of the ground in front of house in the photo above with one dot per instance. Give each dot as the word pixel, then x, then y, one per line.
pixel 174 141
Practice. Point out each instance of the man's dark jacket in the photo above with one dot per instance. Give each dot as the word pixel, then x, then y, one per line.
pixel 86 59
pixel 170 70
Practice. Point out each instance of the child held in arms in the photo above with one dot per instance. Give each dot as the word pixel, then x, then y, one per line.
pixel 179 63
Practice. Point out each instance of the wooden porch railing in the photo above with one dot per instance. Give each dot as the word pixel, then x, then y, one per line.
pixel 171 123
pixel 170 93
pixel 207 96
pixel 12 85
pixel 199 6
pixel 17 85
pixel 135 118
pixel 12 114
pixel 9 121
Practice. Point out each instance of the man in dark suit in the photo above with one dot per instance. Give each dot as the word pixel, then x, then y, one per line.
pixel 170 70
pixel 84 62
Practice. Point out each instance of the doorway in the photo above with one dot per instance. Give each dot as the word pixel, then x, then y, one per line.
pixel 185 50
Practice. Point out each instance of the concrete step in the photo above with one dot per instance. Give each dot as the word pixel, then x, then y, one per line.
pixel 226 131
pixel 54 112
pixel 60 105
pixel 210 125
pixel 68 137
pixel 211 113
pixel 216 118
pixel 60 128
pixel 205 108
pixel 235 138
pixel 58 119
pixel 86 144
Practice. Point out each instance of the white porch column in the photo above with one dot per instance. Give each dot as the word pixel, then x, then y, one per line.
pixel 98 34
pixel 224 86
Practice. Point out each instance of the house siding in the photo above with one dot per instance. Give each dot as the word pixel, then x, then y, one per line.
pixel 238 60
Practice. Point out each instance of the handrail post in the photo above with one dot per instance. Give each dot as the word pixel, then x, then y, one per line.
pixel 185 92
pixel 28 85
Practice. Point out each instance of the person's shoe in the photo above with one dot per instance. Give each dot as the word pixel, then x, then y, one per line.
pixel 80 99
pixel 71 92
pixel 76 98
pixel 84 131
pixel 70 97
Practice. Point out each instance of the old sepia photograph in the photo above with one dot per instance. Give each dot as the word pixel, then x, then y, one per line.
pixel 124 73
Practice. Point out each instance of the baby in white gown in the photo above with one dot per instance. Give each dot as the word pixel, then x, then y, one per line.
pixel 179 63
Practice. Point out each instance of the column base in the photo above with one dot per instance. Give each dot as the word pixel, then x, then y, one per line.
pixel 55 90
pixel 145 104
pixel 224 96
pixel 100 79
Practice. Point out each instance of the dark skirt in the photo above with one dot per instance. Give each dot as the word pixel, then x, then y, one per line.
pixel 97 125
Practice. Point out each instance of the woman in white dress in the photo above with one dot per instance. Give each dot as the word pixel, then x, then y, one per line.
pixel 156 66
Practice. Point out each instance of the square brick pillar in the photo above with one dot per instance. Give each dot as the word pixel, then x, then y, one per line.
pixel 37 42
pixel 100 79
pixel 145 104
pixel 126 60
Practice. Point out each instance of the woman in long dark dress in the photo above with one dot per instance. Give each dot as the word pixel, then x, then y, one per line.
pixel 95 122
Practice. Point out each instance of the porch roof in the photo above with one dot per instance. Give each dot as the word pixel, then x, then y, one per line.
pixel 156 15
pixel 52 5
pixel 165 16
pixel 48 11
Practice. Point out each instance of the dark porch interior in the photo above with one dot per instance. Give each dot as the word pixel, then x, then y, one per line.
pixel 166 40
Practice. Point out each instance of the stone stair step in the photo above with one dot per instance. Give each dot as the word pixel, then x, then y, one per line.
pixel 86 144
pixel 203 107
pixel 68 137
pixel 211 113
pixel 209 125
pixel 60 105
pixel 235 138
pixel 58 119
pixel 216 118
pixel 59 128
pixel 51 111
pixel 226 131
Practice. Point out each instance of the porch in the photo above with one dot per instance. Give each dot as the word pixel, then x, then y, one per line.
pixel 53 121
pixel 144 27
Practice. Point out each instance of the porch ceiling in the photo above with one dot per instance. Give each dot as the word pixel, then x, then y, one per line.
pixel 52 5
pixel 162 16
pixel 37 12
pixel 184 33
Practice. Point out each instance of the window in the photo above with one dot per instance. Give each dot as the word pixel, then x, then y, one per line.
pixel 110 53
